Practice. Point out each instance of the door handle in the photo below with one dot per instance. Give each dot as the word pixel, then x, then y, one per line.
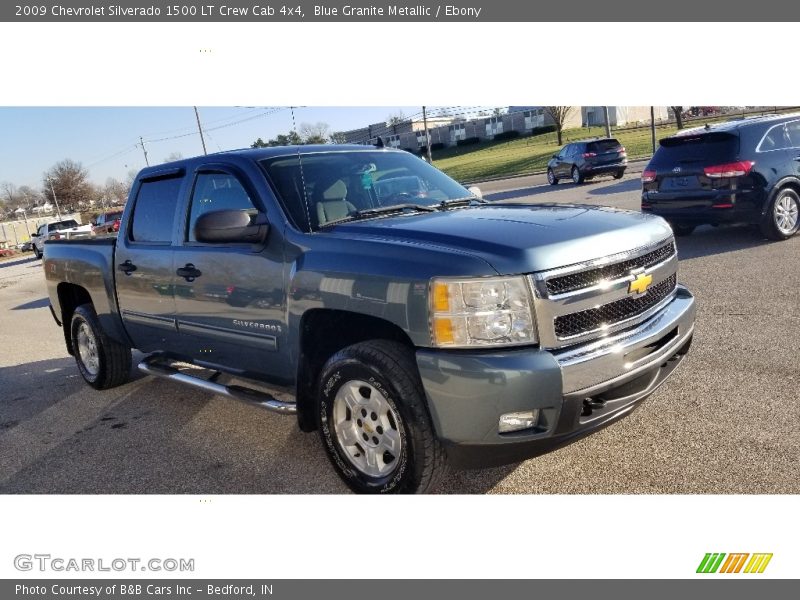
pixel 127 267
pixel 189 272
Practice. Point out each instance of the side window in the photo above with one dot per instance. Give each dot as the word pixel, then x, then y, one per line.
pixel 775 139
pixel 101 219
pixel 216 191
pixel 793 129
pixel 565 151
pixel 154 211
pixel 42 229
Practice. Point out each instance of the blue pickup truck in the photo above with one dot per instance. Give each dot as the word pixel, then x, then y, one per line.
pixel 413 324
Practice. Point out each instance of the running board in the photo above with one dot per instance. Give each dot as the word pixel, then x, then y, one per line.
pixel 158 367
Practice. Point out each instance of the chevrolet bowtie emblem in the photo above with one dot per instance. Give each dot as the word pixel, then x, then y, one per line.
pixel 640 284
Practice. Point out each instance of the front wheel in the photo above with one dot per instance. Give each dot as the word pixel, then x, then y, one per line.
pixel 102 362
pixel 36 252
pixel 681 229
pixel 781 221
pixel 551 177
pixel 374 422
pixel 577 177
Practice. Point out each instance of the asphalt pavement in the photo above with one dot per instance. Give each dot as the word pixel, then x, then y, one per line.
pixel 725 423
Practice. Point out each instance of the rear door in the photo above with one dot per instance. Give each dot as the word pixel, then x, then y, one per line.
pixel 605 152
pixel 231 311
pixel 143 263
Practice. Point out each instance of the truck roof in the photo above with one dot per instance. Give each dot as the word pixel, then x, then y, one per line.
pixel 256 154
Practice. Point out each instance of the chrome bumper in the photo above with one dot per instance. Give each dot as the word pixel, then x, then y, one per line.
pixel 594 367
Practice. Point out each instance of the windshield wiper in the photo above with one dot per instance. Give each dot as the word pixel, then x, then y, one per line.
pixel 465 201
pixel 380 210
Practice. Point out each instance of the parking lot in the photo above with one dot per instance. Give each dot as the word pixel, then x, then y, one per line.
pixel 727 422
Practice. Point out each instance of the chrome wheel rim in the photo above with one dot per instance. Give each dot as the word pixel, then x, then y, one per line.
pixel 576 177
pixel 367 428
pixel 87 350
pixel 550 176
pixel 785 214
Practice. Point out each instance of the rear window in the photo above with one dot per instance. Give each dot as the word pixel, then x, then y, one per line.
pixel 68 224
pixel 603 146
pixel 707 148
pixel 154 211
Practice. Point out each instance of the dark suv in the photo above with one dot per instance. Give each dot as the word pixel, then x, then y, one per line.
pixel 744 171
pixel 589 158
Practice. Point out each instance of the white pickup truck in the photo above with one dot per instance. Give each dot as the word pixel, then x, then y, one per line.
pixel 58 230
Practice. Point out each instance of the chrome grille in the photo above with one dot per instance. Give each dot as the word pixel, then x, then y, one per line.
pixel 595 319
pixel 584 279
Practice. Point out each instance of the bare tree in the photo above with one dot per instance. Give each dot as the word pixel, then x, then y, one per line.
pixel 395 118
pixel 70 181
pixel 9 192
pixel 338 137
pixel 115 191
pixel 28 197
pixel 314 133
pixel 559 114
pixel 678 110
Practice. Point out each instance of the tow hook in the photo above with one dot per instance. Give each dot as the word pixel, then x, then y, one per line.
pixel 590 404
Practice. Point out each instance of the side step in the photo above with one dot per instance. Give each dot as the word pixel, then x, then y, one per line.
pixel 158 366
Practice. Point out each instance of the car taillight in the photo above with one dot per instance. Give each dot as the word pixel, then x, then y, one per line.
pixel 648 176
pixel 622 150
pixel 735 169
pixel 116 225
pixel 589 154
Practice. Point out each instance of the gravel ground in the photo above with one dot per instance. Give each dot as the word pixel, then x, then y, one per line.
pixel 727 421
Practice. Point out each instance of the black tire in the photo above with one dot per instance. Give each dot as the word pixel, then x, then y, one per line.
pixel 786 203
pixel 619 174
pixel 577 176
pixel 36 252
pixel 682 229
pixel 113 360
pixel 551 177
pixel 384 372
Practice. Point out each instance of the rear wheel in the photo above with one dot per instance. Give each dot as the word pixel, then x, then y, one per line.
pixel 577 177
pixel 374 422
pixel 619 174
pixel 551 177
pixel 781 221
pixel 102 362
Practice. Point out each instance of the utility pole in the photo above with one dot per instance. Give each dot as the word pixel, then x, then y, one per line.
pixel 608 125
pixel 200 129
pixel 52 189
pixel 427 139
pixel 653 127
pixel 145 152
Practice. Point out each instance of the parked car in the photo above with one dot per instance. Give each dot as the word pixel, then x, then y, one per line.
pixel 408 328
pixel 57 230
pixel 587 159
pixel 107 223
pixel 743 171
pixel 26 246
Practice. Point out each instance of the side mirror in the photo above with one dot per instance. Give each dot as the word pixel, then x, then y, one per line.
pixel 475 191
pixel 555 155
pixel 231 226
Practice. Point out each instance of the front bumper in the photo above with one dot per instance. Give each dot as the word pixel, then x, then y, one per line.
pixel 577 390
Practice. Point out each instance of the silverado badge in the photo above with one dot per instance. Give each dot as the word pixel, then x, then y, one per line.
pixel 640 284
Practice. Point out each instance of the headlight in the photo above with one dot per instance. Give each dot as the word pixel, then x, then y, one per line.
pixel 492 311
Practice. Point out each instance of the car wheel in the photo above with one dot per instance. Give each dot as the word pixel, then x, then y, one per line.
pixel 681 229
pixel 551 177
pixel 619 174
pixel 577 178
pixel 374 422
pixel 102 362
pixel 36 252
pixel 781 220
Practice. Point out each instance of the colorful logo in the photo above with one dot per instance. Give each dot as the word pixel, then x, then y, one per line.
pixel 734 563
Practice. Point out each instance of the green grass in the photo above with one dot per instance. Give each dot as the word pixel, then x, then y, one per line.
pixel 530 154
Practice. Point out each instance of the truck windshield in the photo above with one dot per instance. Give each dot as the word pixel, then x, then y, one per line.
pixel 322 187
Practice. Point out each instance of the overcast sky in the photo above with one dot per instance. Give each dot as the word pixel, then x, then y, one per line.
pixel 106 140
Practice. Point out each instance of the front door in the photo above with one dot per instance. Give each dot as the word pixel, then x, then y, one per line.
pixel 231 306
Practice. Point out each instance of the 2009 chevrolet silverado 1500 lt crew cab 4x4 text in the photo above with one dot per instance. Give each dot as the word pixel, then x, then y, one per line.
pixel 414 324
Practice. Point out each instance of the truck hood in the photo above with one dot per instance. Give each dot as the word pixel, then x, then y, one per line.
pixel 520 238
